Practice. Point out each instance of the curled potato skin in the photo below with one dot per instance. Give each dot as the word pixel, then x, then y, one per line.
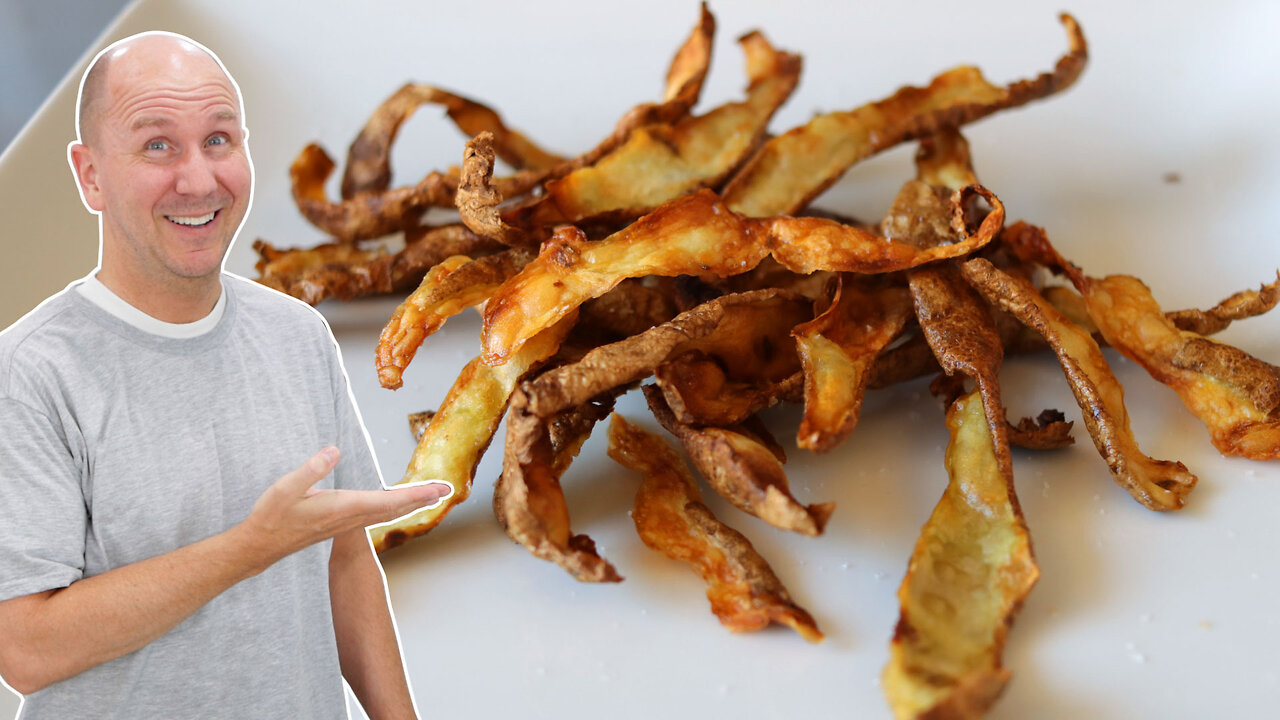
pixel 458 433
pixel 451 286
pixel 968 575
pixel 670 517
pixel 698 235
pixel 1157 484
pixel 528 500
pixel 792 169
pixel 742 469
pixel 837 351
pixel 1236 395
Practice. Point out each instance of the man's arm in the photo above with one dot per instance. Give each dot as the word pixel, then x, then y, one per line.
pixel 368 649
pixel 56 634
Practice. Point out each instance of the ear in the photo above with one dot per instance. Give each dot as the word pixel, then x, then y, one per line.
pixel 85 168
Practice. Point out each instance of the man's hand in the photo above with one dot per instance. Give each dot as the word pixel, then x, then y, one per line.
pixel 292 514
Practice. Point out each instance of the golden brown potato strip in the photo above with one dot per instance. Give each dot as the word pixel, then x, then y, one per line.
pixel 634 358
pixel 477 199
pixel 769 274
pixel 450 287
pixel 790 170
pixel 425 247
pixel 369 158
pixel 1031 244
pixel 369 209
pixel 744 592
pixel 529 502
pixel 370 214
pixel 1157 484
pixel 743 470
pixel 344 271
pixel 698 235
pixel 685 77
pixel 954 320
pixel 702 390
pixel 1235 395
pixel 1244 304
pixel 460 431
pixel 282 269
pixel 722 379
pixel 675 158
pixel 971 569
pixel 837 350
pixel 955 323
pixel 629 309
pixel 413 320
pixel 943 160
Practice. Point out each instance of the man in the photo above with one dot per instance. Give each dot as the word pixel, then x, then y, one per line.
pixel 161 553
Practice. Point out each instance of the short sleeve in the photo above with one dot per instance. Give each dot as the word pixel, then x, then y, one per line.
pixel 358 469
pixel 42 510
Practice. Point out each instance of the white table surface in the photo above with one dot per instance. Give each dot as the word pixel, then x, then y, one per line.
pixel 1137 614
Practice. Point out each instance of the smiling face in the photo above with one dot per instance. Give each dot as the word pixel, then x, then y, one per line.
pixel 164 161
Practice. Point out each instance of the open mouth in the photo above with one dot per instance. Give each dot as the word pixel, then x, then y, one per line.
pixel 192 220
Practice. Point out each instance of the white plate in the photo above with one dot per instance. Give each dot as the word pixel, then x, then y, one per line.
pixel 1137 614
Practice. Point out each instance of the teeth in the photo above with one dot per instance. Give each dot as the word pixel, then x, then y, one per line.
pixel 194 220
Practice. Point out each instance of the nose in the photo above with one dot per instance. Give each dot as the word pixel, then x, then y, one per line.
pixel 196 176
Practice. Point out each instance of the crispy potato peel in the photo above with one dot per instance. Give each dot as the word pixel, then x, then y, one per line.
pixel 971 569
pixel 528 500
pixel 1235 395
pixel 670 517
pixel 837 350
pixel 742 469
pixel 792 169
pixel 677 158
pixel 698 235
pixel 460 431
pixel 450 287
pixel 1157 484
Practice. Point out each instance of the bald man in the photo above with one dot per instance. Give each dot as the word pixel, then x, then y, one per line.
pixel 162 553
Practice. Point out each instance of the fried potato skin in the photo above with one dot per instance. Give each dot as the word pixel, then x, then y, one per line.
pixel 837 351
pixel 743 470
pixel 696 152
pixel 1157 484
pixel 368 215
pixel 669 516
pixel 968 576
pixel 635 358
pixel 698 235
pixel 456 283
pixel 790 170
pixel 346 272
pixel 529 502
pixel 1235 395
pixel 726 376
pixel 460 431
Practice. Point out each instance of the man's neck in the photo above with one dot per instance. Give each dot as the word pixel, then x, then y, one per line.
pixel 184 301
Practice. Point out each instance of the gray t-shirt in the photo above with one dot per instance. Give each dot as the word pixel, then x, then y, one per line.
pixel 118 444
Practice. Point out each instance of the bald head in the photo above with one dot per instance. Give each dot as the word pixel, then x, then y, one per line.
pixel 124 61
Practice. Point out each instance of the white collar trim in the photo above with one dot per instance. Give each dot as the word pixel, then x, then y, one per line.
pixel 95 292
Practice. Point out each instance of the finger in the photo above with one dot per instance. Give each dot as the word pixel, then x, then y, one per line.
pixel 298 481
pixel 434 493
pixel 369 507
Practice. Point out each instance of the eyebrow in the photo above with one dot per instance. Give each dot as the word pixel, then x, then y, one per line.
pixel 147 122
pixel 157 121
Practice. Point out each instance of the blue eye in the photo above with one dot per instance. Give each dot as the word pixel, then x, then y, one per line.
pixel 218 140
pixel 157 145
